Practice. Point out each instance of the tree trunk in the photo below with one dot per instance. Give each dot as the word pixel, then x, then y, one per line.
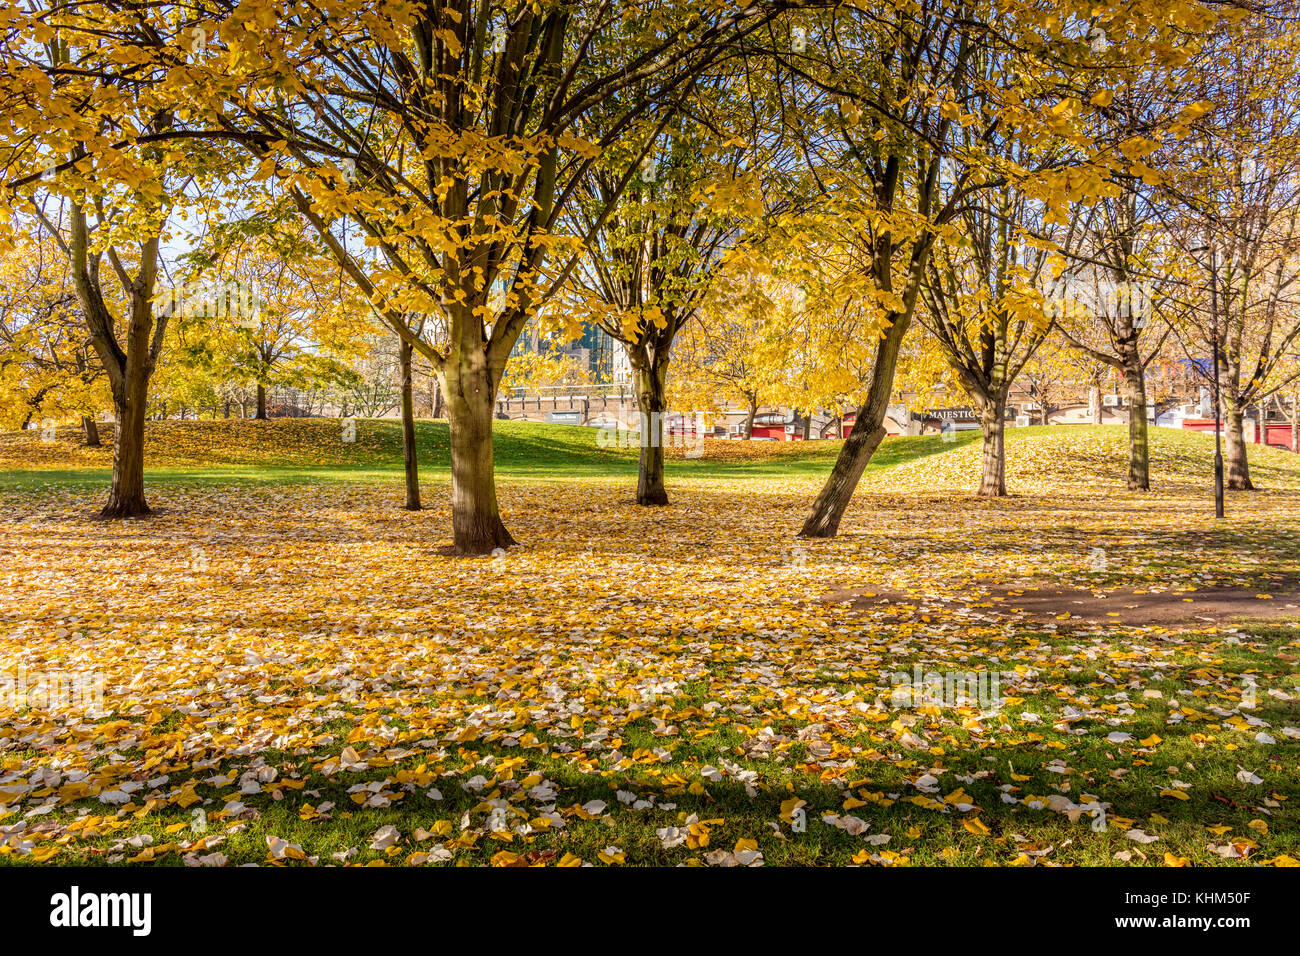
pixel 749 418
pixel 261 402
pixel 129 365
pixel 993 482
pixel 1295 423
pixel 470 392
pixel 126 498
pixel 807 427
pixel 651 377
pixel 92 431
pixel 865 437
pixel 1139 463
pixel 1236 467
pixel 408 430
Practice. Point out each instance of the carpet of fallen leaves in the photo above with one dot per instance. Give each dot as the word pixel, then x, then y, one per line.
pixel 293 675
pixel 301 441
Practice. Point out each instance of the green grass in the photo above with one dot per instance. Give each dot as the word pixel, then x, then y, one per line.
pixel 247 451
pixel 1207 752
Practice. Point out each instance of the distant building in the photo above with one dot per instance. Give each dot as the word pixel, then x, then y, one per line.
pixel 621 373
pixel 603 356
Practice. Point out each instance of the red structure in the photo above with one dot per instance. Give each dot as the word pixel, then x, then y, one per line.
pixel 777 426
pixel 1276 434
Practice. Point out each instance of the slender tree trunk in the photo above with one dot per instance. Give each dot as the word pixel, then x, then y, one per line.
pixel 92 431
pixel 1295 423
pixel 651 392
pixel 261 402
pixel 437 399
pixel 1139 461
pixel 807 427
pixel 749 418
pixel 475 517
pixel 1236 466
pixel 865 437
pixel 408 430
pixel 993 481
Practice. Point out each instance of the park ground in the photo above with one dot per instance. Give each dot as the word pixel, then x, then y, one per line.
pixel 293 674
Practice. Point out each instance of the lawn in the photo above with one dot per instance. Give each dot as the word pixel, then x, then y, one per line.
pixel 292 674
pixel 313 450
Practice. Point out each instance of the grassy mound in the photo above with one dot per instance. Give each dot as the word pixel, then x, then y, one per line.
pixel 316 443
pixel 1091 459
pixel 1081 459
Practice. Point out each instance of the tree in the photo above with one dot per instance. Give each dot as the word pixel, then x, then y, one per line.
pixel 104 212
pixel 410 457
pixel 917 101
pixel 85 124
pixel 449 134
pixel 1055 371
pixel 1107 308
pixel 817 342
pixel 1236 209
pixel 719 352
pixel 267 307
pixel 373 388
pixel 1114 306
pixel 47 365
pixel 650 258
pixel 985 306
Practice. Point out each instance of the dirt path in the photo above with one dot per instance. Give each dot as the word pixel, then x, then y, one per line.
pixel 1130 606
